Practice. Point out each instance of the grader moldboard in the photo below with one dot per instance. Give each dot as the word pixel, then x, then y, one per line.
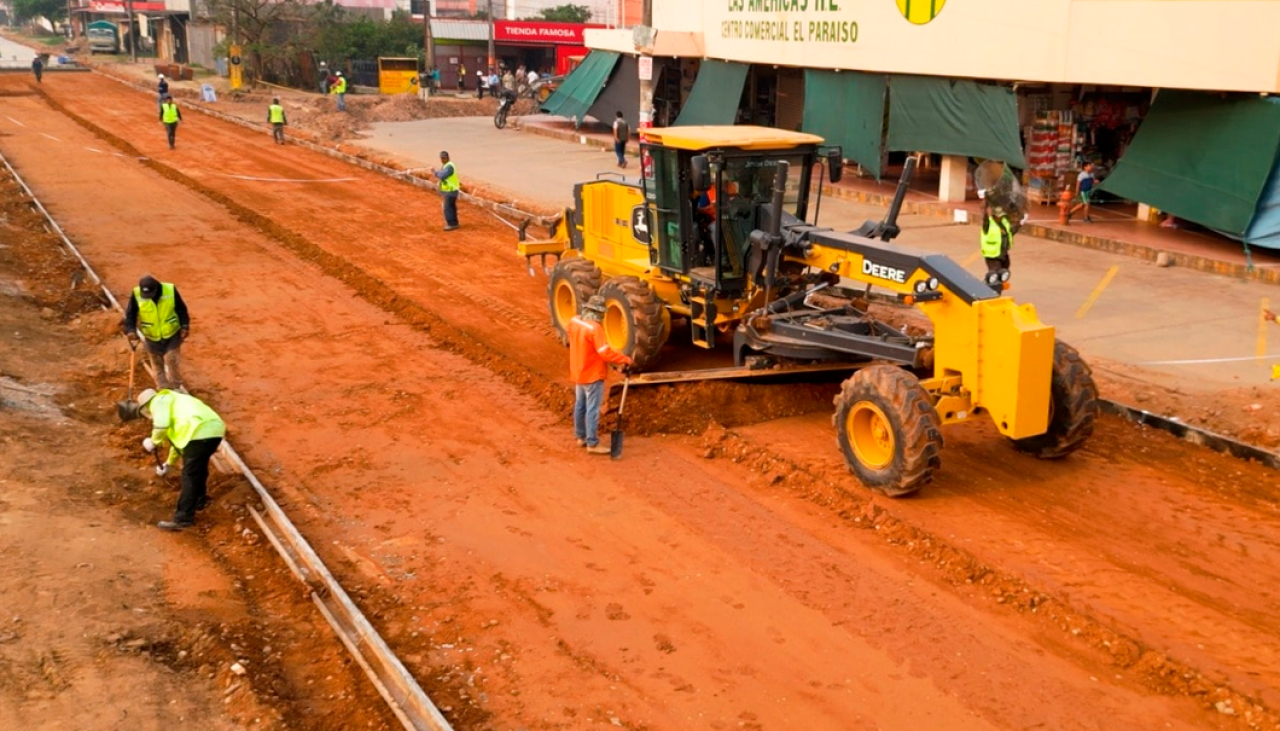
pixel 714 233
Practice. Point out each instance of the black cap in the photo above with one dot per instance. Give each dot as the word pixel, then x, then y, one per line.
pixel 149 284
pixel 444 153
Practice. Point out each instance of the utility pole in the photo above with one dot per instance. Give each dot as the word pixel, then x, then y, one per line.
pixel 428 43
pixel 492 56
pixel 133 35
pixel 645 38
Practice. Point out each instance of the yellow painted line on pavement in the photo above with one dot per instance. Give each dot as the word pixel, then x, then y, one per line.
pixel 1097 291
pixel 972 258
pixel 1262 326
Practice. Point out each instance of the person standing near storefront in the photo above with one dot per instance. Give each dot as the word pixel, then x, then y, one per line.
pixel 621 133
pixel 482 83
pixel 462 77
pixel 1085 183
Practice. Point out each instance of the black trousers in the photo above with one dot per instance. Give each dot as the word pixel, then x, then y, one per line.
pixel 171 129
pixel 195 476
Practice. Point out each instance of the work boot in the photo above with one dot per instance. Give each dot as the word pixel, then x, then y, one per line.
pixel 581 442
pixel 175 526
pixel 597 449
pixel 202 503
pixel 454 227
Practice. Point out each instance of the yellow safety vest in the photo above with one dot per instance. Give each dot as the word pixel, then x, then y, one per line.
pixel 341 86
pixel 179 419
pixel 276 114
pixel 993 238
pixel 169 112
pixel 451 183
pixel 157 320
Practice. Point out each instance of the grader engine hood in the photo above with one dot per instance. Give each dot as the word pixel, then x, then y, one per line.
pixel 984 343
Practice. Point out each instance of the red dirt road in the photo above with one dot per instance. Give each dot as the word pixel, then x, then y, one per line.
pixel 400 391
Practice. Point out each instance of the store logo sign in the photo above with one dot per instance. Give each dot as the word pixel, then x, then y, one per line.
pixel 920 12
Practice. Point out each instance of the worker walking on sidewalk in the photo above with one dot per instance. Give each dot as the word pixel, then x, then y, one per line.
pixel 449 187
pixel 194 432
pixel 170 115
pixel 589 352
pixel 996 238
pixel 157 312
pixel 275 116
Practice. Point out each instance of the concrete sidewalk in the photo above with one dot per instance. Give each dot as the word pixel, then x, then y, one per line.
pixel 1114 307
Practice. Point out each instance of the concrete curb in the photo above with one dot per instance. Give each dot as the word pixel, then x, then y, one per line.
pixel 1195 435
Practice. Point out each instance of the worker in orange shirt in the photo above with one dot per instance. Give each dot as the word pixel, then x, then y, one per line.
pixel 589 352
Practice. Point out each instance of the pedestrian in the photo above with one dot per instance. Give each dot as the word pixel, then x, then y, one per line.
pixel 193 431
pixel 589 354
pixel 1085 183
pixel 996 238
pixel 462 77
pixel 157 314
pixel 275 116
pixel 533 79
pixel 508 80
pixel 339 90
pixel 495 83
pixel 162 89
pixel 449 187
pixel 324 78
pixel 37 68
pixel 482 83
pixel 435 79
pixel 170 115
pixel 621 133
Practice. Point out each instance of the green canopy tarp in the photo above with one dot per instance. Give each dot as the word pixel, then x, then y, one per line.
pixel 716 94
pixel 1201 156
pixel 954 117
pixel 847 109
pixel 579 91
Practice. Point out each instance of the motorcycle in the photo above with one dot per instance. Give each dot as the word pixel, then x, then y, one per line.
pixel 508 100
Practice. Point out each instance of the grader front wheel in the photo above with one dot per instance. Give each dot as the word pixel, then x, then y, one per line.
pixel 573 282
pixel 1073 407
pixel 888 430
pixel 633 320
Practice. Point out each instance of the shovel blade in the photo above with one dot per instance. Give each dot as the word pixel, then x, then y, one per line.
pixel 127 410
pixel 615 444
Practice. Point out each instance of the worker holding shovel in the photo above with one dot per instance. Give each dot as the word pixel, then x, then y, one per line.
pixel 194 432
pixel 589 353
pixel 157 314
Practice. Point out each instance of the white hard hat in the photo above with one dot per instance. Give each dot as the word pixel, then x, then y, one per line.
pixel 160 76
pixel 145 397
pixel 339 73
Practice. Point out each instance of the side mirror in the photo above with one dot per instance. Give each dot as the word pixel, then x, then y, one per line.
pixel 835 165
pixel 700 173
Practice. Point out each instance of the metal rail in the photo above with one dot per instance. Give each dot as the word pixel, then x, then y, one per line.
pixel 408 702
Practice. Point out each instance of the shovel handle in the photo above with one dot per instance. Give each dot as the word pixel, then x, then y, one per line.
pixel 626 381
pixel 133 368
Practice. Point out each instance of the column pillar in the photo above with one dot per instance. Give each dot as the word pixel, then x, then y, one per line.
pixel 951 182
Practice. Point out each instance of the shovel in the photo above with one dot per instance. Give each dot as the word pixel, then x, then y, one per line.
pixel 128 410
pixel 615 437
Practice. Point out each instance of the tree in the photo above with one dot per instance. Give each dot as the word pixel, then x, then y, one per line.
pixel 565 14
pixel 51 9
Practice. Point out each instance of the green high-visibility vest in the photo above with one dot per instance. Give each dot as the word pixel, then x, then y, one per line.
pixel 993 238
pixel 169 112
pixel 275 113
pixel 157 319
pixel 451 183
pixel 180 418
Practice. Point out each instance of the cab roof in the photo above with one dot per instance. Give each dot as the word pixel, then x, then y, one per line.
pixel 745 137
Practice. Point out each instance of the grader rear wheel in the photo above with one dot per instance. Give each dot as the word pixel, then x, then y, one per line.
pixel 1073 407
pixel 888 430
pixel 573 282
pixel 633 320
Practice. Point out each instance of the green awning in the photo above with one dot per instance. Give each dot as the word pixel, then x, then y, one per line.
pixel 1202 157
pixel 847 109
pixel 579 91
pixel 716 94
pixel 954 117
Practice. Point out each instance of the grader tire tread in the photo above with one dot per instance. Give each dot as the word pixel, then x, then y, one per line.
pixel 649 331
pixel 918 433
pixel 1075 407
pixel 583 276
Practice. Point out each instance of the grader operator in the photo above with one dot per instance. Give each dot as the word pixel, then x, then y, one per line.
pixel 714 235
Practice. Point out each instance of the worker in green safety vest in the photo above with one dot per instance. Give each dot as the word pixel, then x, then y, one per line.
pixel 157 315
pixel 996 238
pixel 275 117
pixel 449 187
pixel 170 115
pixel 194 432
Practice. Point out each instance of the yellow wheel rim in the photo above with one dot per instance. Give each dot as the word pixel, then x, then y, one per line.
pixel 616 327
pixel 566 303
pixel 871 435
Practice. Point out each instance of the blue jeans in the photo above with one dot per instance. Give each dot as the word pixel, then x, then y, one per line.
pixel 342 102
pixel 620 149
pixel 450 208
pixel 587 398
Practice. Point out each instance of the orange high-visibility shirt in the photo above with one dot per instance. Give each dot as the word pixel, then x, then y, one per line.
pixel 589 351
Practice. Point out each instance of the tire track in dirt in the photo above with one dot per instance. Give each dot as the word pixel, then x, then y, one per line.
pixel 955 566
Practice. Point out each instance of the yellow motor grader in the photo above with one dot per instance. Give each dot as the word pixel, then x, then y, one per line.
pixel 714 233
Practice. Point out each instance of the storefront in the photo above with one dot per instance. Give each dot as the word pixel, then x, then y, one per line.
pixel 551 49
pixel 1061 84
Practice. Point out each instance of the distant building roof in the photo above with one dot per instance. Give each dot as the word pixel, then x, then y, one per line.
pixel 460 30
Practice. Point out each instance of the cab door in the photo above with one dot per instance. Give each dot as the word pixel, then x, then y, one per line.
pixel 665 190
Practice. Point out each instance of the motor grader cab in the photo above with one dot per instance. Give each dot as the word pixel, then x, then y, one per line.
pixel 714 236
